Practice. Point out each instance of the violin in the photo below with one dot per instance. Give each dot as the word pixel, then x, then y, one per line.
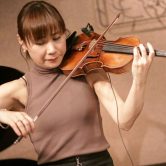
pixel 112 56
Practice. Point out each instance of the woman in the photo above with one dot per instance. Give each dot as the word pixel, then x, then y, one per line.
pixel 69 131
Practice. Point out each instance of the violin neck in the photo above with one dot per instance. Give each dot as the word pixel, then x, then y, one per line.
pixel 129 50
pixel 160 53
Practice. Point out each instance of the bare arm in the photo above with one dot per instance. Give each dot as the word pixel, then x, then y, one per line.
pixel 9 95
pixel 13 97
pixel 130 108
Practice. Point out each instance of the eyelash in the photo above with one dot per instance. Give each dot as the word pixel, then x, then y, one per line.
pixel 56 38
pixel 42 42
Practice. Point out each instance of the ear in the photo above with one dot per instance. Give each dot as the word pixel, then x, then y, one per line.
pixel 22 43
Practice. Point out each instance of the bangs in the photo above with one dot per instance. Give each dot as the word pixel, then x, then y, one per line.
pixel 42 23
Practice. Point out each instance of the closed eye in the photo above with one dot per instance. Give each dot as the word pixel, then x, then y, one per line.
pixel 40 42
pixel 57 37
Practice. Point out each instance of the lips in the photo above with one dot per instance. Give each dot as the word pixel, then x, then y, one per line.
pixel 52 59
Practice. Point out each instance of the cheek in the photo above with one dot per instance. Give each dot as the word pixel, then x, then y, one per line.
pixel 63 49
pixel 37 55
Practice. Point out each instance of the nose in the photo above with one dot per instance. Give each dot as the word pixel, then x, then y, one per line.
pixel 51 49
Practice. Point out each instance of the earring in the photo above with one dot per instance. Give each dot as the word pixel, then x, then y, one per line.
pixel 23 50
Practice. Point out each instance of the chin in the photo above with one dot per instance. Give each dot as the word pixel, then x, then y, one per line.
pixel 53 65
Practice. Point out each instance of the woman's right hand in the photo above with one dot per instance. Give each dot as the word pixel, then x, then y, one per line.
pixel 20 122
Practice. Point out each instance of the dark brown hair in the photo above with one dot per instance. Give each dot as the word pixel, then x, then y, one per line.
pixel 39 19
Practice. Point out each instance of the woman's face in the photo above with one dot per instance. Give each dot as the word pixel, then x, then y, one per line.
pixel 47 53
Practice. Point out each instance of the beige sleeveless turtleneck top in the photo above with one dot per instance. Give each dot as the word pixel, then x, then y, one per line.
pixel 71 124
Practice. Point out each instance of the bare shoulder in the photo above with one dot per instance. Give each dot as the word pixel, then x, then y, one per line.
pixel 13 92
pixel 11 87
pixel 96 76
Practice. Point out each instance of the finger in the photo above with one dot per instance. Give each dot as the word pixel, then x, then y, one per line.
pixel 29 121
pixel 151 51
pixel 14 126
pixel 22 127
pixel 24 123
pixel 143 51
pixel 27 125
pixel 136 54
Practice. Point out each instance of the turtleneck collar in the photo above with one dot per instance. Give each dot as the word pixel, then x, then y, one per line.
pixel 43 71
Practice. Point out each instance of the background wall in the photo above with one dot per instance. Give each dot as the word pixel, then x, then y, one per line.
pixel 146 141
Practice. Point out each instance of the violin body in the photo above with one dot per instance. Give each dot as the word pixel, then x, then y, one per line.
pixel 112 56
pixel 115 61
pixel 102 56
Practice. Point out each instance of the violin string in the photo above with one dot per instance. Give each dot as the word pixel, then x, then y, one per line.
pixel 118 123
pixel 115 45
pixel 117 48
pixel 127 48
pixel 111 42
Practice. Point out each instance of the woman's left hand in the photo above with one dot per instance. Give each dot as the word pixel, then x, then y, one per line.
pixel 141 63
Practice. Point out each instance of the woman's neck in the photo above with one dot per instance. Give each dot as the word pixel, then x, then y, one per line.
pixel 42 70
